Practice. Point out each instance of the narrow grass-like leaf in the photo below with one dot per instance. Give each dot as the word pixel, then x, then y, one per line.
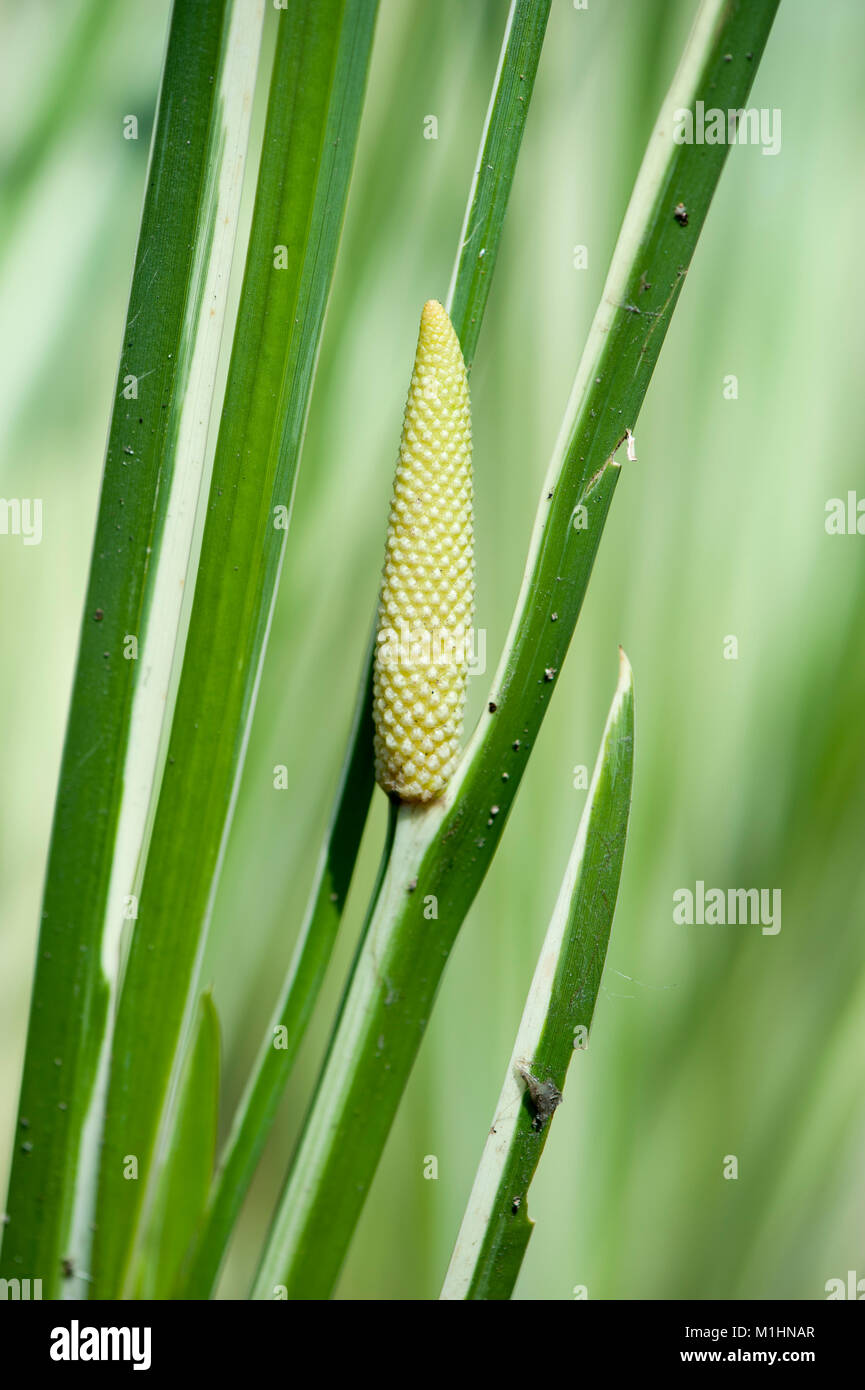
pixel 496 1228
pixel 132 626
pixel 494 172
pixel 442 851
pixel 316 95
pixel 470 287
pixel 185 1178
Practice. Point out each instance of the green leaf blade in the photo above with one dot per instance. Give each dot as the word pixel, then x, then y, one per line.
pixel 187 1170
pixel 494 174
pixel 496 1227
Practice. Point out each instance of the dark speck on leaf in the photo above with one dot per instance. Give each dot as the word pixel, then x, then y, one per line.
pixel 550 673
pixel 680 212
pixel 98 616
pixel 492 706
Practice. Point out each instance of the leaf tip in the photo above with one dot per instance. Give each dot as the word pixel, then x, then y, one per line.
pixel 626 674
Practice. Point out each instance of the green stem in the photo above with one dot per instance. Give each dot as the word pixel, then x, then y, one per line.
pixel 443 851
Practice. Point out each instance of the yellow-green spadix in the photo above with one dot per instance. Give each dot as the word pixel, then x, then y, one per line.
pixel 427 591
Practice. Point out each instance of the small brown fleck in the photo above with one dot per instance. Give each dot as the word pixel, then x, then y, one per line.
pixel 516 745
pixel 680 212
pixel 412 886
pixel 98 616
pixel 492 706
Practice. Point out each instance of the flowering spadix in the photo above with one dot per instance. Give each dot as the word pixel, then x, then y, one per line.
pixel 427 592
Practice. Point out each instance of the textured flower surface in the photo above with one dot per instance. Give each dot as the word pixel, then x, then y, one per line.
pixel 427 592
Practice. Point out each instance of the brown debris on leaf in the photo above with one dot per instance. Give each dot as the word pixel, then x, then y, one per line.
pixel 544 1095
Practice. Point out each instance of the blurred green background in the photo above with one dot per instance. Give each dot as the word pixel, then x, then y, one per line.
pixel 708 1041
